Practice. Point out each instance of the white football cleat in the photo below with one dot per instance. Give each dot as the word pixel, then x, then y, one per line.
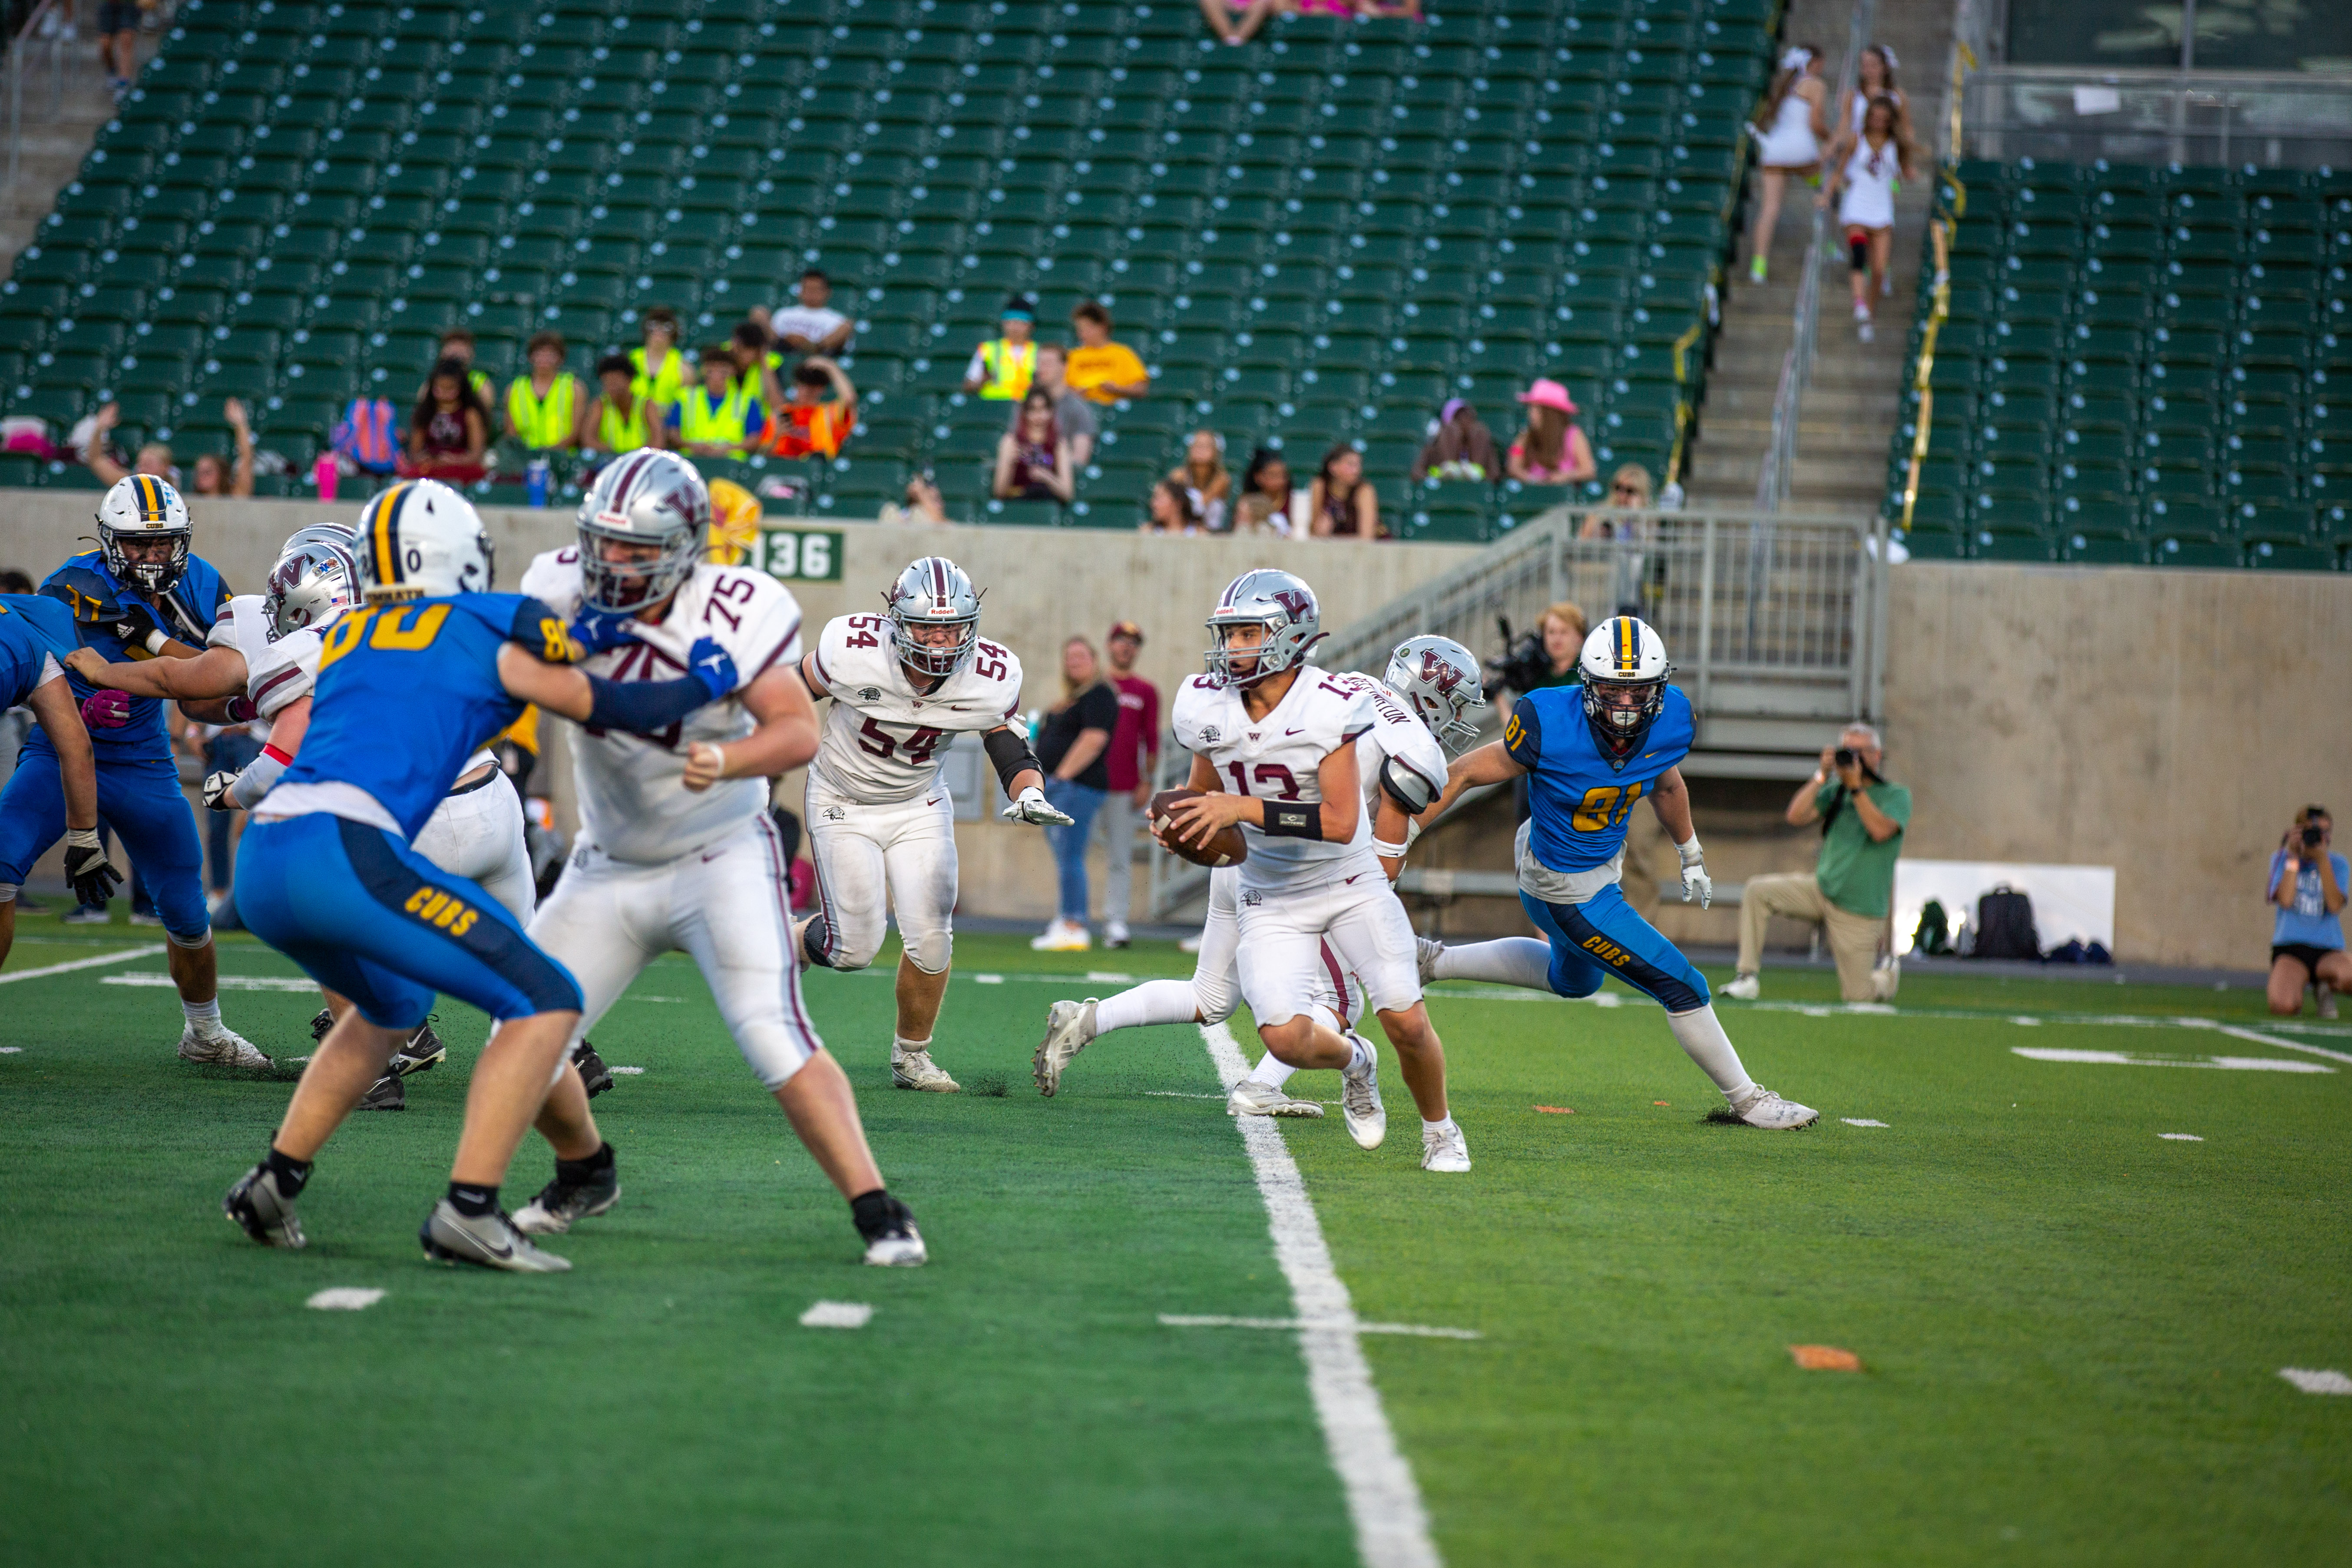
pixel 1425 955
pixel 915 1069
pixel 1445 1151
pixel 1115 934
pixel 1360 1100
pixel 1069 1026
pixel 1744 988
pixel 1766 1109
pixel 219 1047
pixel 1251 1097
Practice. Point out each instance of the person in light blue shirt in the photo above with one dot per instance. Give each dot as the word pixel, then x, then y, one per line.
pixel 2307 888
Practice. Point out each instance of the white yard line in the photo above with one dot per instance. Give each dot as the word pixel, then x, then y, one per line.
pixel 121 955
pixel 2285 1044
pixel 1187 1320
pixel 1383 1501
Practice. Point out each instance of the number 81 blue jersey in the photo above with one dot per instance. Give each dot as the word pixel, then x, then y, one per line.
pixel 1578 801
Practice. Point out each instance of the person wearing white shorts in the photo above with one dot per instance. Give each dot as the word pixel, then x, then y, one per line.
pixel 1864 188
pixel 1789 133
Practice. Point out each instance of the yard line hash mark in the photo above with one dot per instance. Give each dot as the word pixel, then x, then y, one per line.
pixel 2316 1382
pixel 344 1298
pixel 2124 1059
pixel 837 1315
pixel 124 956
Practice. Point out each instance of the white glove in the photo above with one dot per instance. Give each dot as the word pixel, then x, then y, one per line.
pixel 1698 888
pixel 1032 806
pixel 216 789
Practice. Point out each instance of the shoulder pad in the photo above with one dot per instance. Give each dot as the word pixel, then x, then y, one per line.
pixel 85 591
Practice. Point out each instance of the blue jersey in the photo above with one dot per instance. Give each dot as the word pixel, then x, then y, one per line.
pixel 34 629
pixel 2307 923
pixel 1580 801
pixel 407 692
pixel 97 604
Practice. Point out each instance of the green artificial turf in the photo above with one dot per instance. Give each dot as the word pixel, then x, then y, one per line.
pixel 2071 1327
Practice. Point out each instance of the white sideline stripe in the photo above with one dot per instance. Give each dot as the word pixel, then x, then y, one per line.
pixel 2123 1059
pixel 123 956
pixel 1860 1122
pixel 2316 1382
pixel 344 1299
pixel 10 1050
pixel 226 982
pixel 837 1315
pixel 1185 1320
pixel 2180 1137
pixel 1383 1501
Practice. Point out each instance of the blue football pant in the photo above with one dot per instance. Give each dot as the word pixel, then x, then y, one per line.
pixel 1605 935
pixel 139 798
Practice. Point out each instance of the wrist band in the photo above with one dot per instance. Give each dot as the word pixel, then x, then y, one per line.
pixel 1388 851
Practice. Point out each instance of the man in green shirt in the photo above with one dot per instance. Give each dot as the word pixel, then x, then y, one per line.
pixel 1850 886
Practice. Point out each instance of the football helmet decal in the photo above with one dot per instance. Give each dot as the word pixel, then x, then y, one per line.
pixel 1283 605
pixel 1438 678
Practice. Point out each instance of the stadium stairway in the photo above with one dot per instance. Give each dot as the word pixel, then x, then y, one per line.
pixel 54 143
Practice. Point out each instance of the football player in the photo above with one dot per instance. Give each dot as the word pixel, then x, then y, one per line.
pixel 1590 752
pixel 408 684
pixel 140 594
pixel 904 683
pixel 34 629
pixel 676 849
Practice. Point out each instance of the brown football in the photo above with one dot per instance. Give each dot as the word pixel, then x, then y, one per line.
pixel 1226 849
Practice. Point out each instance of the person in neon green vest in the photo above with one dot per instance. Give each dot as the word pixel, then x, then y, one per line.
pixel 543 407
pixel 616 419
pixel 660 367
pixel 722 417
pixel 1002 367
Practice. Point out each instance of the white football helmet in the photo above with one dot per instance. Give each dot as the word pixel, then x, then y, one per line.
pixel 310 585
pixel 1625 669
pixel 143 507
pixel 1437 678
pixel 338 534
pixel 644 497
pixel 933 592
pixel 421 539
pixel 1282 604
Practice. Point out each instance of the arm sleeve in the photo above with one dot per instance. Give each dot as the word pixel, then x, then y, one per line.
pixel 643 707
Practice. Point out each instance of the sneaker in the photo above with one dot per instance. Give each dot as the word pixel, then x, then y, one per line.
pixel 1756 266
pixel 1445 1150
pixel 896 1244
pixel 1360 1102
pixel 1744 988
pixel 88 915
pixel 594 1073
pixel 1069 1026
pixel 1251 1097
pixel 219 1047
pixel 560 1203
pixel 266 1213
pixel 384 1094
pixel 1425 955
pixel 915 1069
pixel 491 1241
pixel 1885 979
pixel 2327 1003
pixel 1062 936
pixel 1188 944
pixel 1115 934
pixel 1764 1109
pixel 418 1052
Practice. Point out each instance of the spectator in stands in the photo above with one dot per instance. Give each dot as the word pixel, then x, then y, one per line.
pixel 1876 73
pixel 543 407
pixel 153 457
pixel 616 419
pixel 1629 492
pixel 1205 480
pixel 1132 762
pixel 923 503
pixel 457 343
pixel 1344 505
pixel 1848 889
pixel 720 416
pixel 2307 884
pixel 1171 509
pixel 757 361
pixel 1789 129
pixel 1460 447
pixel 818 414
pixel 1866 206
pixel 811 325
pixel 1552 449
pixel 1071 744
pixel 1032 459
pixel 1002 368
pixel 449 429
pixel 219 476
pixel 117 42
pixel 1265 503
pixel 1100 369
pixel 1236 21
pixel 1073 413
pixel 659 366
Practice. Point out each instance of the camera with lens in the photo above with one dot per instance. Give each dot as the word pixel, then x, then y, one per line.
pixel 1522 666
pixel 1847 756
pixel 2311 836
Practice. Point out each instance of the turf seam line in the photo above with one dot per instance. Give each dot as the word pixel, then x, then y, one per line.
pixel 123 956
pixel 1383 1499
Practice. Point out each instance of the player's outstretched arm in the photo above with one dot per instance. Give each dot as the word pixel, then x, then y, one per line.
pixel 213 673
pixel 1022 778
pixel 785 736
pixel 638 707
pixel 1488 764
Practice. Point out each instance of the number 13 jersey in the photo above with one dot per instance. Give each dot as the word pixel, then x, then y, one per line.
pixel 883 741
pixel 1277 758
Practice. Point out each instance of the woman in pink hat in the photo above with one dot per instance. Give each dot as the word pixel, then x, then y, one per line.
pixel 1550 450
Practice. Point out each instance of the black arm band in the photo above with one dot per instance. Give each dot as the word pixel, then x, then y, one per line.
pixel 1011 753
pixel 1290 821
pixel 643 707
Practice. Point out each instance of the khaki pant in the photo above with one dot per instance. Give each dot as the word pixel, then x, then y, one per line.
pixel 1853 938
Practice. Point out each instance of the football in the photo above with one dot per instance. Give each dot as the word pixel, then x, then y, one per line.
pixel 1226 849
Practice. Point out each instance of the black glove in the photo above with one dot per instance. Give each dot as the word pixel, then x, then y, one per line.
pixel 136 625
pixel 94 877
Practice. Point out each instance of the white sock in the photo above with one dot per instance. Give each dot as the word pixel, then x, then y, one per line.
pixel 1521 961
pixel 203 1015
pixel 1433 1129
pixel 1702 1038
pixel 1153 1001
pixel 1272 1071
pixel 905 1047
pixel 1362 1060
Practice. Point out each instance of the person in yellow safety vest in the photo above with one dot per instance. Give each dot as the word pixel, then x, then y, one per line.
pixel 719 418
pixel 457 343
pixel 734 525
pixel 543 407
pixel 660 367
pixel 1000 367
pixel 616 419
pixel 757 361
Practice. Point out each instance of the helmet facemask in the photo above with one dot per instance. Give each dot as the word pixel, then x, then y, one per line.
pixel 933 595
pixel 1621 712
pixel 309 586
pixel 146 576
pixel 931 659
pixel 1242 666
pixel 630 585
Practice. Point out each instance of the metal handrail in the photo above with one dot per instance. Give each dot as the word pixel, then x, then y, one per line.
pixel 2289 119
pixel 42 21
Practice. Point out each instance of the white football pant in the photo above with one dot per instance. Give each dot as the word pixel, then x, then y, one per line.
pixel 907 850
pixel 478 834
pixel 1299 946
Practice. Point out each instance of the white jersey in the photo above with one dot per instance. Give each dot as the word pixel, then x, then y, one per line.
pixel 1277 758
pixel 286 670
pixel 634 803
pixel 243 626
pixel 1395 734
pixel 882 738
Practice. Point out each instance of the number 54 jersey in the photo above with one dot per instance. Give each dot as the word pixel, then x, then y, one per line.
pixel 1277 758
pixel 882 737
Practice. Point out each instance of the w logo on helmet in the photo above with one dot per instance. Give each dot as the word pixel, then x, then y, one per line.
pixel 1299 602
pixel 1438 673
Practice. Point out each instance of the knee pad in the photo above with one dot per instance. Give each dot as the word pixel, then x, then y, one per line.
pixel 1217 999
pixel 928 951
pixel 196 944
pixel 1859 250
pixel 1576 985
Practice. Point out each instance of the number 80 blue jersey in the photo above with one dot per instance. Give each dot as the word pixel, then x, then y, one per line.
pixel 1578 801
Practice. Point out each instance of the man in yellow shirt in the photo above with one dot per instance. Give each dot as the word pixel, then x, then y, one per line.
pixel 1100 369
pixel 719 418
pixel 543 407
pixel 1000 367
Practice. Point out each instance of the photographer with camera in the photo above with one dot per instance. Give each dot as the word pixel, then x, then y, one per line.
pixel 2307 883
pixel 1848 891
pixel 1532 661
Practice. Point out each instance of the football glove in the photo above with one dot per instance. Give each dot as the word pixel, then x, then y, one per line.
pixel 1032 806
pixel 217 786
pixel 1698 888
pixel 106 709
pixel 597 630
pixel 93 878
pixel 135 626
pixel 711 665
